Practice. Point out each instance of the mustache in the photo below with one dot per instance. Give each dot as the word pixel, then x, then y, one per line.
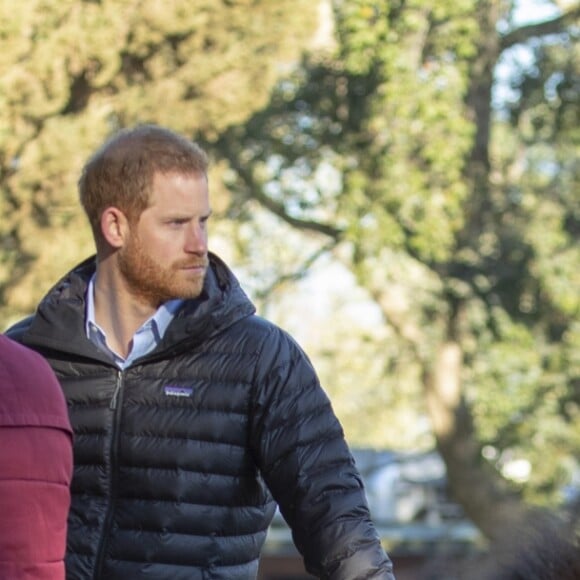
pixel 203 263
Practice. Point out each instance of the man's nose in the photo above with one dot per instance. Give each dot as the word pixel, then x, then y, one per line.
pixel 196 240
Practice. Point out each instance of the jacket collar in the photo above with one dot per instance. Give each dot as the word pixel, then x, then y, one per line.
pixel 59 322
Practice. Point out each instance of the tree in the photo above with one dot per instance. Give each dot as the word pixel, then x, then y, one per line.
pixel 73 72
pixel 382 149
pixel 479 213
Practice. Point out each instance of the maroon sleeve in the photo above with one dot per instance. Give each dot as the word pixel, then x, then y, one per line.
pixel 35 466
pixel 30 394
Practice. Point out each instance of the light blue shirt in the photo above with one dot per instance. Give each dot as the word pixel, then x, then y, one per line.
pixel 147 337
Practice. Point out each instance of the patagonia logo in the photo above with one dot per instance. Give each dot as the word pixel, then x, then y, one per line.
pixel 177 391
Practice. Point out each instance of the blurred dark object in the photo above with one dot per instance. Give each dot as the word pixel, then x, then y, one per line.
pixel 543 552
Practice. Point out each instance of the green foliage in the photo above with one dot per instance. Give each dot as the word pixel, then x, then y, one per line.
pixel 452 236
pixel 72 72
pixel 412 149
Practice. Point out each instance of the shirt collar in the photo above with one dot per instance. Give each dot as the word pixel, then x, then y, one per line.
pixel 157 324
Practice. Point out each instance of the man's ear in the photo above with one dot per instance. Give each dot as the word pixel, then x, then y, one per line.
pixel 114 226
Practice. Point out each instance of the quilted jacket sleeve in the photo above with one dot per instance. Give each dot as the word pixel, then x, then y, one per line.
pixel 305 461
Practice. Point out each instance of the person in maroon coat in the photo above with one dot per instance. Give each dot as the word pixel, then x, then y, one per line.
pixel 35 467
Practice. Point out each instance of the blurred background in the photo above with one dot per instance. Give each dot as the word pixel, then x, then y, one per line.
pixel 394 182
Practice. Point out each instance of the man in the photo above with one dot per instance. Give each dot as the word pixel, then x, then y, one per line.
pixel 35 467
pixel 192 414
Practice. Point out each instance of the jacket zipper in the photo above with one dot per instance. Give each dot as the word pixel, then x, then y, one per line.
pixel 115 406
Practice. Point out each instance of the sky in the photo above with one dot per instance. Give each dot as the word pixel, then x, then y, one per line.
pixel 527 12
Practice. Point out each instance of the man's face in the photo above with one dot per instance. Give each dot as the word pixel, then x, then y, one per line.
pixel 165 255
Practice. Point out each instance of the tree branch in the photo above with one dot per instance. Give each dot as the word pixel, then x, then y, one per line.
pixel 297 274
pixel 279 210
pixel 539 29
pixel 256 192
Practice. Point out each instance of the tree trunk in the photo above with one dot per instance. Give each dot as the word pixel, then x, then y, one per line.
pixel 482 492
pixel 475 485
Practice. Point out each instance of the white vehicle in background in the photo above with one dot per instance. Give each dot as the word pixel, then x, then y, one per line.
pixel 407 495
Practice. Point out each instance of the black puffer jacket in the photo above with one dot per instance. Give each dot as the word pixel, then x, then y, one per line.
pixel 178 456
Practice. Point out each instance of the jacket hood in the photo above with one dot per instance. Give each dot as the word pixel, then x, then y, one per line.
pixel 59 322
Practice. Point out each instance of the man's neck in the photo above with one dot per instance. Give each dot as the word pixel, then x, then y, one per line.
pixel 117 312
